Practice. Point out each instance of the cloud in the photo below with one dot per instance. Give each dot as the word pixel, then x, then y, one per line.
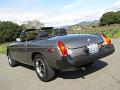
pixel 19 15
pixel 115 6
pixel 76 17
pixel 70 6
pixel 60 18
pixel 73 18
pixel 75 4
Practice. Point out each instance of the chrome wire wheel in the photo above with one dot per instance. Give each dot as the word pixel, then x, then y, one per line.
pixel 40 68
pixel 9 59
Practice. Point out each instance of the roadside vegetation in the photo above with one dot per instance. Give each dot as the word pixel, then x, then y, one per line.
pixel 112 31
pixel 109 24
pixel 9 31
pixel 3 49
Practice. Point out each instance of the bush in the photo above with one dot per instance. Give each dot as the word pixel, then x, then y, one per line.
pixel 9 31
pixel 110 18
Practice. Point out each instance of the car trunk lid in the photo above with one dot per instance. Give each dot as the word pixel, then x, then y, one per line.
pixel 78 40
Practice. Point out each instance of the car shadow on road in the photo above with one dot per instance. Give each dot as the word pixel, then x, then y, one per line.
pixel 27 66
pixel 75 74
pixel 80 73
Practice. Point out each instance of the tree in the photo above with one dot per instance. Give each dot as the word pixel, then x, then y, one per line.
pixel 110 18
pixel 33 24
pixel 9 31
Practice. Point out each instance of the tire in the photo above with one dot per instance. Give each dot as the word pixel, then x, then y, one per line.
pixel 43 70
pixel 11 61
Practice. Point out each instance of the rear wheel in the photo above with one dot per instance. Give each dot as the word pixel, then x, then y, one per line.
pixel 43 70
pixel 11 61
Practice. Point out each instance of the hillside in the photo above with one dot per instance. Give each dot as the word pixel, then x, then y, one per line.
pixel 112 31
pixel 89 22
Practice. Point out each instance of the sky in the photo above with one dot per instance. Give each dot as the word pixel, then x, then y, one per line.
pixel 55 12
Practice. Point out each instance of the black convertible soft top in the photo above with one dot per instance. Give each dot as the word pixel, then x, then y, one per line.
pixel 52 30
pixel 42 28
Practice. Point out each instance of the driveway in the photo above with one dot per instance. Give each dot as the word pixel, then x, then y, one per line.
pixel 103 75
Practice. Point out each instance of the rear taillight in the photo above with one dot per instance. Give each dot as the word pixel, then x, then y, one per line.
pixel 62 49
pixel 106 39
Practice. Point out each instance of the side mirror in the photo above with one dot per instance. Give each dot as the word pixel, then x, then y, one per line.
pixel 18 39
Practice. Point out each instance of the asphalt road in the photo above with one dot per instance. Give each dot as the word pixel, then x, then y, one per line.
pixel 103 75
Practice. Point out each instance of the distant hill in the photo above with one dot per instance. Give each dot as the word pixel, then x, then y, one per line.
pixel 89 22
pixel 81 23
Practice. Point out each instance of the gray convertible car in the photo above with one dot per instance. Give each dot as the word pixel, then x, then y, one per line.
pixel 49 49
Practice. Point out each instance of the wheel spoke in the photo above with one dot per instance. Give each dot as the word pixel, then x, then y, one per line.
pixel 40 67
pixel 9 59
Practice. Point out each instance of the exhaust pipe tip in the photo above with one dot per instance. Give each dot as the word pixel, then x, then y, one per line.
pixel 83 68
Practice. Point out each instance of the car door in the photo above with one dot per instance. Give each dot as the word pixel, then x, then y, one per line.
pixel 19 49
pixel 22 50
pixel 19 52
pixel 26 48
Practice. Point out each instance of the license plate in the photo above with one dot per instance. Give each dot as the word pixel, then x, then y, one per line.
pixel 93 48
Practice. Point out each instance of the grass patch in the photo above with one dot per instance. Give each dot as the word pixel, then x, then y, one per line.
pixel 3 48
pixel 117 34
